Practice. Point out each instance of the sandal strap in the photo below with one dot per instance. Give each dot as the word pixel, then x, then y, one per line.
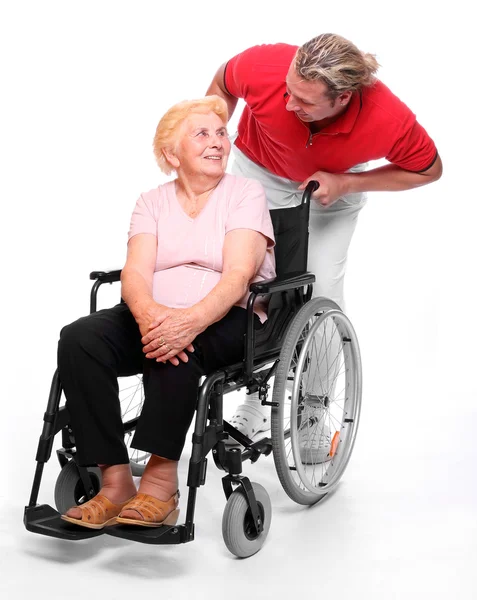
pixel 151 509
pixel 99 510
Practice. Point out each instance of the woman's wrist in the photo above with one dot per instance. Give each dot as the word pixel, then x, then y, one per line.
pixel 144 310
pixel 198 315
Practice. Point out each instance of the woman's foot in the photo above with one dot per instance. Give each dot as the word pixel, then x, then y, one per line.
pixel 146 511
pixel 157 493
pixel 118 488
pixel 97 513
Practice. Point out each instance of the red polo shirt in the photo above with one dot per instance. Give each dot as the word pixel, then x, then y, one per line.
pixel 376 124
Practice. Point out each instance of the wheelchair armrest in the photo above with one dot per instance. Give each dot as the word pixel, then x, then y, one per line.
pixel 106 276
pixel 101 277
pixel 289 281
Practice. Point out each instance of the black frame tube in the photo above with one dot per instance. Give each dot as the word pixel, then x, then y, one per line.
pixel 197 460
pixel 47 436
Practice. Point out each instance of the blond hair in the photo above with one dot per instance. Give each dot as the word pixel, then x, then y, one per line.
pixel 337 62
pixel 168 129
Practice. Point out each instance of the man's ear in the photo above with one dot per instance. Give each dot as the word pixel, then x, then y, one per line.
pixel 171 157
pixel 345 97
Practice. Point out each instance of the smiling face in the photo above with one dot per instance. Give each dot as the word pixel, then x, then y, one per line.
pixel 309 101
pixel 203 147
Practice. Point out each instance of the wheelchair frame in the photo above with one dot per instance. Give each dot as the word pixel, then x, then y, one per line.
pixel 210 429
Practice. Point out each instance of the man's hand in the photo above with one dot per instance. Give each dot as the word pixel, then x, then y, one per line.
pixel 332 187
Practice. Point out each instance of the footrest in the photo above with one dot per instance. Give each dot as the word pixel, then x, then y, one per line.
pixel 46 520
pixel 176 534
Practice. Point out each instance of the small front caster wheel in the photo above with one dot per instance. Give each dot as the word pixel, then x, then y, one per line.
pixel 238 528
pixel 69 489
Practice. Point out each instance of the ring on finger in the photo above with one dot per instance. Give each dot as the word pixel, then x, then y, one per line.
pixel 162 341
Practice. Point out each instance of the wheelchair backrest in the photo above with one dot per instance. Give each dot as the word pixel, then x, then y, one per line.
pixel 290 226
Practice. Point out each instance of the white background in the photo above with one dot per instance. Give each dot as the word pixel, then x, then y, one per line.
pixel 83 85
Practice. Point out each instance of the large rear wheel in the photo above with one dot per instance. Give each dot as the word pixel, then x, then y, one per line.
pixel 318 390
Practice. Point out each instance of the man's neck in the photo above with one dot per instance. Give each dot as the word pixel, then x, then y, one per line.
pixel 316 126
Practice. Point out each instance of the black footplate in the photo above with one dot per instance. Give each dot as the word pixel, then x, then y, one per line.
pixel 176 534
pixel 46 520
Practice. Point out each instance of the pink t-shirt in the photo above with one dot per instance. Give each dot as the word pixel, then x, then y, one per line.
pixel 189 250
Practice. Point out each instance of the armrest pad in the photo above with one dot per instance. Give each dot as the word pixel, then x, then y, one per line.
pixel 279 284
pixel 106 276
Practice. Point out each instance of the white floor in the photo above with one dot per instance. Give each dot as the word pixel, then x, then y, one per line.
pixel 401 525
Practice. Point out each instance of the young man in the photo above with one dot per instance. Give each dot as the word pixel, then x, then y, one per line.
pixel 318 112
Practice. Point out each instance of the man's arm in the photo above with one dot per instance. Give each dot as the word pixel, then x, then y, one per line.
pixel 218 87
pixel 389 178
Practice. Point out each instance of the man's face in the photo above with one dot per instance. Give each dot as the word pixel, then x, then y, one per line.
pixel 308 99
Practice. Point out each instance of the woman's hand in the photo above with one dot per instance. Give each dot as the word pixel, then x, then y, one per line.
pixel 331 189
pixel 152 317
pixel 167 339
pixel 155 316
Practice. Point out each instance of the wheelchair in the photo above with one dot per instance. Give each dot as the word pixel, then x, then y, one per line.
pixel 310 351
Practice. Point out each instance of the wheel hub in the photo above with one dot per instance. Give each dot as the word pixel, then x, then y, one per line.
pixel 316 401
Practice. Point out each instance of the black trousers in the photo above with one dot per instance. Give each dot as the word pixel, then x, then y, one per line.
pixel 94 350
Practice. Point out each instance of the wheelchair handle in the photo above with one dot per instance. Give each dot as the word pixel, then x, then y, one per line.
pixel 311 187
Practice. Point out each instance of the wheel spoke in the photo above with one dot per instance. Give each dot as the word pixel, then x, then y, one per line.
pixel 131 396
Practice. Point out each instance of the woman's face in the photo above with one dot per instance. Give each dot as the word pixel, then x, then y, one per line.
pixel 204 146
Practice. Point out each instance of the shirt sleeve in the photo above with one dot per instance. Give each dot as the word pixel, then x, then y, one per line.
pixel 235 70
pixel 414 150
pixel 249 210
pixel 246 70
pixel 143 219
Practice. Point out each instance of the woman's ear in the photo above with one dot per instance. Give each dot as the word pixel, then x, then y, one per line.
pixel 171 157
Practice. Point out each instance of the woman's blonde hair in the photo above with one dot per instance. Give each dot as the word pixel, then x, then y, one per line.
pixel 168 129
pixel 337 62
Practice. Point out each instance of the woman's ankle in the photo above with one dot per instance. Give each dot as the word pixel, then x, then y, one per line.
pixel 117 483
pixel 160 478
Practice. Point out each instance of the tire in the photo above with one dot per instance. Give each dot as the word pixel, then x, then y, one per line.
pixel 69 489
pixel 238 529
pixel 320 365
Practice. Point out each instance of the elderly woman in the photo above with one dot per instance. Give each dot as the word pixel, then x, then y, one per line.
pixel 195 245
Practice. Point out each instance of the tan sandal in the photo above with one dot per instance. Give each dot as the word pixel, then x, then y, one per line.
pixel 154 512
pixel 98 512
